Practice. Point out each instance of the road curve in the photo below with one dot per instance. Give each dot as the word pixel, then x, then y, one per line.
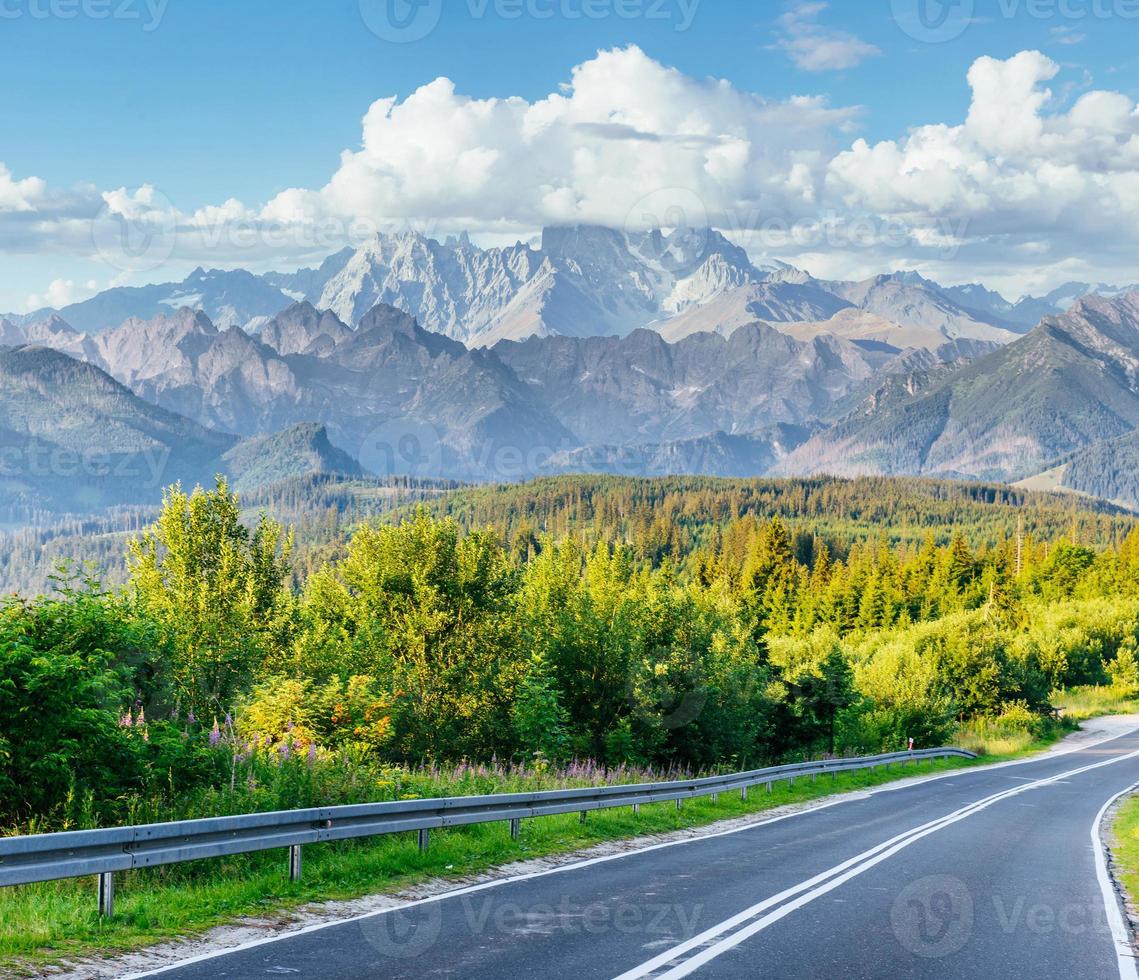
pixel 992 872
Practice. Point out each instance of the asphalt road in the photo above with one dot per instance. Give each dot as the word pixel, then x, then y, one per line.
pixel 983 873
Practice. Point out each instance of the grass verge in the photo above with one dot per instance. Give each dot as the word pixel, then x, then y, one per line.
pixel 1081 703
pixel 1125 847
pixel 48 923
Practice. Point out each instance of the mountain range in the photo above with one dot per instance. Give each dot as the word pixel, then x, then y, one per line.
pixel 577 281
pixel 596 350
pixel 1071 382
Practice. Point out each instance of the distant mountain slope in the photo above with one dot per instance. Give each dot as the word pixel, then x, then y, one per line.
pixel 911 301
pixel 772 301
pixel 578 281
pixel 1108 470
pixel 300 450
pixel 75 439
pixel 717 454
pixel 1071 382
pixel 640 389
pixel 230 299
pixel 423 402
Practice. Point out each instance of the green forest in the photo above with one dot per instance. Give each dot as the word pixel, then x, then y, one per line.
pixel 572 629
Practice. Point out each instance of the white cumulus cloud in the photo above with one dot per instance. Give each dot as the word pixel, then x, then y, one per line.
pixel 1028 189
pixel 19 195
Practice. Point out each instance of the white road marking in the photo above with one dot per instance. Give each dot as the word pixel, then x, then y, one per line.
pixel 1120 931
pixel 779 906
pixel 905 783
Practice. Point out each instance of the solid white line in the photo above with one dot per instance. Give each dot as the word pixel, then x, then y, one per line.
pixel 1120 931
pixel 823 883
pixel 905 782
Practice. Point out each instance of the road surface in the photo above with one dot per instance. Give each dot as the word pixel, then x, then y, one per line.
pixel 984 873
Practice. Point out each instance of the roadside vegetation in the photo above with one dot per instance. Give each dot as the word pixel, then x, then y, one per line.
pixel 426 656
pixel 1124 842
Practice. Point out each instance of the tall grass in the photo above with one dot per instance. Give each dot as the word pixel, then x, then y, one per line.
pixel 1082 703
pixel 46 923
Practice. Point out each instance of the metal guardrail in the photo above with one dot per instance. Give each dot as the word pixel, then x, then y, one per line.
pixel 77 854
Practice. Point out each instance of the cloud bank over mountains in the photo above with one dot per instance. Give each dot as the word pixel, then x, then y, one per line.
pixel 1027 189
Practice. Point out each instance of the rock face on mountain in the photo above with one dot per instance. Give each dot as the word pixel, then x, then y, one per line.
pixel 225 379
pixel 774 301
pixel 582 281
pixel 403 399
pixel 303 329
pixel 910 301
pixel 72 438
pixel 46 331
pixel 578 281
pixel 388 383
pixel 638 389
pixel 230 299
pixel 1071 382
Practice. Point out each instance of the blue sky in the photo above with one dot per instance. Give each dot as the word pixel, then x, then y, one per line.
pixel 210 101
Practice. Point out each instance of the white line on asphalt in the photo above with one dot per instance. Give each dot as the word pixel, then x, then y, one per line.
pixel 797 896
pixel 1120 932
pixel 904 783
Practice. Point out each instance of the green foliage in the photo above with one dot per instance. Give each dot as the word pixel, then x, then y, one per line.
pixel 540 720
pixel 213 589
pixel 691 635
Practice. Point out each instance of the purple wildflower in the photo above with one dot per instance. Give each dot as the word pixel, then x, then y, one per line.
pixel 215 735
pixel 311 754
pixel 190 719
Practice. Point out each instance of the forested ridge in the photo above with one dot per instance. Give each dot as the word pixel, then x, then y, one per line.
pixel 657 517
pixel 644 625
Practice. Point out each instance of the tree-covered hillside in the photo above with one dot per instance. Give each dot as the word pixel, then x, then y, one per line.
pixel 677 625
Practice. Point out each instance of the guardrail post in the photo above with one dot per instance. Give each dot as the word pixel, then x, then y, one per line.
pixel 424 840
pixel 743 794
pixel 678 802
pixel 769 787
pixel 636 809
pixel 295 863
pixel 106 887
pixel 715 798
pixel 515 829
